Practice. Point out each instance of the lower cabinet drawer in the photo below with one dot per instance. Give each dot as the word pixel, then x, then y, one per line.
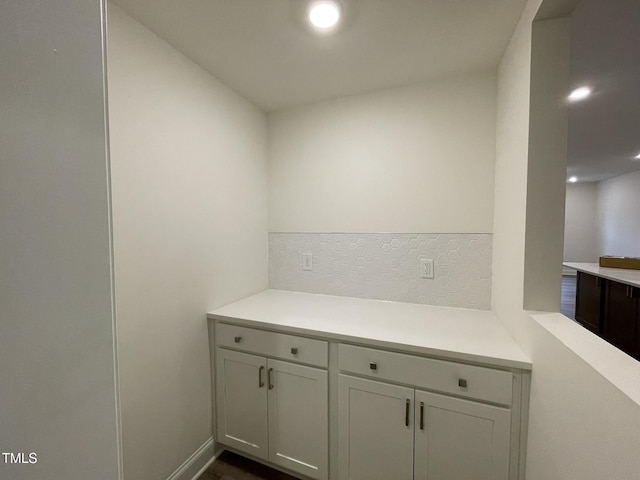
pixel 480 383
pixel 272 344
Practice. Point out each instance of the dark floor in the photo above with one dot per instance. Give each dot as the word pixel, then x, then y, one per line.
pixel 230 466
pixel 568 300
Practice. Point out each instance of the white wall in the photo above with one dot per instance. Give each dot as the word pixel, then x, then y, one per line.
pixel 547 165
pixel 602 219
pixel 512 140
pixel 57 357
pixel 580 425
pixel 190 232
pixel 581 234
pixel 413 159
pixel 619 215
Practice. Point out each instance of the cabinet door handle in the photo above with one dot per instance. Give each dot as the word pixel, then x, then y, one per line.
pixel 598 281
pixel 269 378
pixel 260 382
pixel 421 415
pixel 406 413
pixel 629 291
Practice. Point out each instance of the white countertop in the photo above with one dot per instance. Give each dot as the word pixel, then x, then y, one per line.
pixel 464 334
pixel 622 275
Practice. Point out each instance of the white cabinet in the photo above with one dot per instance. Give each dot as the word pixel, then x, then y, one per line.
pixel 375 432
pixel 298 422
pixel 242 402
pixel 273 410
pixel 459 439
pixel 388 431
pixel 480 383
pixel 325 409
pixel 272 344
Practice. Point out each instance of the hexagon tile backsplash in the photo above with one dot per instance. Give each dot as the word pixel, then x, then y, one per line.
pixel 386 266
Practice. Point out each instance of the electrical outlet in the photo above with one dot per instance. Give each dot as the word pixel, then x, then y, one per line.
pixel 426 267
pixel 307 261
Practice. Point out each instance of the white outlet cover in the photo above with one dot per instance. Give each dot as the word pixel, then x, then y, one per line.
pixel 426 267
pixel 307 261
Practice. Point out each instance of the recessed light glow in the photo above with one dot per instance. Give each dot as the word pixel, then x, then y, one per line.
pixel 637 157
pixel 324 14
pixel 580 94
pixel 573 179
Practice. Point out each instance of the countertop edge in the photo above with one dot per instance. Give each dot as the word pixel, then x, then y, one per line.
pixel 609 273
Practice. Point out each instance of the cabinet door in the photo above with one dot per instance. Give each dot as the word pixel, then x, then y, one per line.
pixel 459 439
pixel 589 301
pixel 298 418
pixel 620 310
pixel 375 431
pixel 241 394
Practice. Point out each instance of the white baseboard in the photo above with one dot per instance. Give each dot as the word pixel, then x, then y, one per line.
pixel 197 463
pixel 204 467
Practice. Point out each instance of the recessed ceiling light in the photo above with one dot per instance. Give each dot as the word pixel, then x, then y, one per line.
pixel 580 94
pixel 573 179
pixel 637 157
pixel 324 14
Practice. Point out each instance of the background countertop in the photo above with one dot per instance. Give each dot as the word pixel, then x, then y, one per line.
pixel 622 275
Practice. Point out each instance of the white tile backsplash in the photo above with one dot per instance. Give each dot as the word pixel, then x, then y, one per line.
pixel 386 266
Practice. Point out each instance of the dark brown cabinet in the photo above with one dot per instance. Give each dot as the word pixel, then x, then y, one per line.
pixel 620 316
pixel 611 310
pixel 589 301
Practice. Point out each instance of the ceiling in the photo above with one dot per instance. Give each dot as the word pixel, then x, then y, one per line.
pixel 264 50
pixel 604 130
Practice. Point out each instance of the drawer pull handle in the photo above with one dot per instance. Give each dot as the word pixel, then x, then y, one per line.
pixel 294 351
pixel 260 382
pixel 373 365
pixel 406 413
pixel 237 339
pixel 269 378
pixel 462 383
pixel 421 415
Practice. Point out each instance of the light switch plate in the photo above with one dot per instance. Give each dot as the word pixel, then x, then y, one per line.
pixel 307 261
pixel 426 267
